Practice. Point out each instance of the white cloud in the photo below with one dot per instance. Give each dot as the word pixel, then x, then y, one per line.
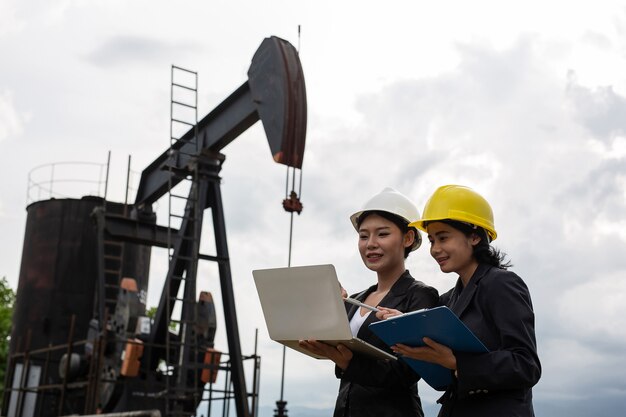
pixel 565 361
pixel 11 121
pixel 602 110
pixel 122 51
pixel 16 16
pixel 597 306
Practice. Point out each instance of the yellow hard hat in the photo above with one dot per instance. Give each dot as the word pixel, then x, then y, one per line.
pixel 456 202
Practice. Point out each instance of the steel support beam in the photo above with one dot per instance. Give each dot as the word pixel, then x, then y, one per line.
pixel 228 299
pixel 218 128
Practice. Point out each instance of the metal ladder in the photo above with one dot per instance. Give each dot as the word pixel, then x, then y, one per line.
pixel 183 209
pixel 113 263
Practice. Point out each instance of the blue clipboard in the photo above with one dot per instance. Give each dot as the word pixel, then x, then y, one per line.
pixel 439 324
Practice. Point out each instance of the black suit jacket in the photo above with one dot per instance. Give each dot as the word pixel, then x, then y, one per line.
pixel 497 307
pixel 383 388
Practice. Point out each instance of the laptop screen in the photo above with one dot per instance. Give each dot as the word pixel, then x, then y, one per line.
pixel 302 302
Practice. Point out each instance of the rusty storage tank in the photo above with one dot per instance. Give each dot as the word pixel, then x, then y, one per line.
pixel 59 275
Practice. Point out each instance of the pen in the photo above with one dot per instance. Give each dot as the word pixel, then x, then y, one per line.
pixel 360 304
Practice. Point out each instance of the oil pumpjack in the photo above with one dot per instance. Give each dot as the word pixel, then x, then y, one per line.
pixel 81 343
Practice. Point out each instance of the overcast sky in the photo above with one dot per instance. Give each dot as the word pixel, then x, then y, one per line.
pixel 524 102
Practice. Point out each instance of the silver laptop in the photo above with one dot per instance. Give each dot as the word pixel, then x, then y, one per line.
pixel 305 302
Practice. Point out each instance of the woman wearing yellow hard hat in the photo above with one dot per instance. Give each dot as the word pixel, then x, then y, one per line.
pixel 380 387
pixel 493 302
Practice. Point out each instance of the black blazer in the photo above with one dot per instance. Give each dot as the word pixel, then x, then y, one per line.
pixel 383 388
pixel 496 306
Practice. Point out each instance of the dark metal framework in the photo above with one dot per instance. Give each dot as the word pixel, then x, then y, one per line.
pixel 172 367
pixel 82 396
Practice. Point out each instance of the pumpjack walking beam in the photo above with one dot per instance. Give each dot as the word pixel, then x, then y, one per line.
pixel 274 93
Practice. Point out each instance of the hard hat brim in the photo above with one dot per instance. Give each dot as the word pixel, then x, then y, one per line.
pixel 419 224
pixel 354 219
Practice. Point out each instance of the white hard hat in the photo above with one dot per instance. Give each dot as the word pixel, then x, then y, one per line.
pixel 394 202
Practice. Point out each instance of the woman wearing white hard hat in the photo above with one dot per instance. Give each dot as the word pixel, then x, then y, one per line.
pixel 371 387
pixel 492 302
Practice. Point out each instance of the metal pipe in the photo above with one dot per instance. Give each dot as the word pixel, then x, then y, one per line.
pixel 45 375
pixel 67 362
pixel 127 185
pixel 106 180
pixel 142 413
pixel 255 377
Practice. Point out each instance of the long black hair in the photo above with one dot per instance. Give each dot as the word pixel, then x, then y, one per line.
pixel 482 251
pixel 402 224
